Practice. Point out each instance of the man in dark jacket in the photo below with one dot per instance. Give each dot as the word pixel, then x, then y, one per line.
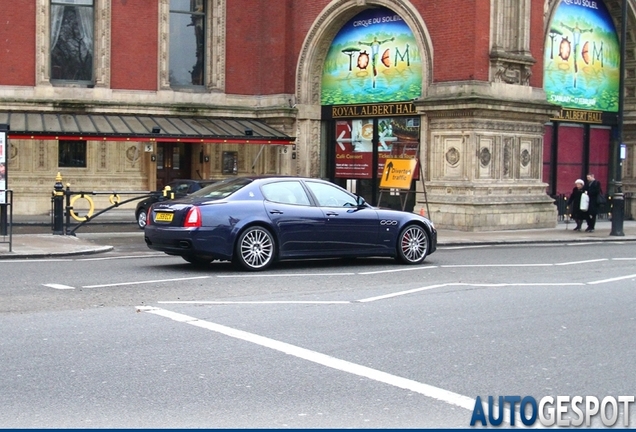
pixel 593 189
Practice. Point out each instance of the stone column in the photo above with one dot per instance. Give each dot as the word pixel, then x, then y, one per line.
pixel 484 157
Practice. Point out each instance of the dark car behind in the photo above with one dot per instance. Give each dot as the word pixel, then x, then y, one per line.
pixel 181 188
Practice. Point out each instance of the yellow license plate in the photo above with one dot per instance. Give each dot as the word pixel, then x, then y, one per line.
pixel 163 217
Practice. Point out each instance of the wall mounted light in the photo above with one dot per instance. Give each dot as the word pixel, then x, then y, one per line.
pixel 156 130
pixel 249 132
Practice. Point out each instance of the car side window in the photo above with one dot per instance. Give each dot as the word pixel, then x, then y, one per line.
pixel 285 192
pixel 179 188
pixel 331 196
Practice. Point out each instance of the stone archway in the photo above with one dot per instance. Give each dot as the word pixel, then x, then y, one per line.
pixel 310 65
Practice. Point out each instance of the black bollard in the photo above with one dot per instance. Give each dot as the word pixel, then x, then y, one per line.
pixel 58 206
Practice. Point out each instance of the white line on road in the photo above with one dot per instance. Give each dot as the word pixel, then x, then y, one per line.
pixel 260 275
pixel 255 302
pixel 59 286
pixel 494 265
pixel 321 359
pixel 580 262
pixel 493 285
pixel 12 261
pixel 612 279
pixel 397 270
pixel 146 282
pixel 401 293
pixel 124 257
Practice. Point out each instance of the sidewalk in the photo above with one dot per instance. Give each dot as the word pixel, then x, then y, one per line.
pixel 49 245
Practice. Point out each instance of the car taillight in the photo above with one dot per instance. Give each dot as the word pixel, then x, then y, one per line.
pixel 193 219
pixel 148 214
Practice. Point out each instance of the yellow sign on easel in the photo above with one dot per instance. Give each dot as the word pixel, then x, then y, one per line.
pixel 398 173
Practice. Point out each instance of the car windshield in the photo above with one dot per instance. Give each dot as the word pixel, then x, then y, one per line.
pixel 222 189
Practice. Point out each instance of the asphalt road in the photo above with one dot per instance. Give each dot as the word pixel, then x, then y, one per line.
pixel 135 339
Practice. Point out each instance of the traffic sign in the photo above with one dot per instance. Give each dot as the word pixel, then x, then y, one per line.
pixel 398 173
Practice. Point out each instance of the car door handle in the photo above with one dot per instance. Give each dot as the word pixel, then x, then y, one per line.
pixel 332 214
pixel 276 212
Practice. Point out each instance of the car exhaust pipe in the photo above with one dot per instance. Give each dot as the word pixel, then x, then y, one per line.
pixel 184 244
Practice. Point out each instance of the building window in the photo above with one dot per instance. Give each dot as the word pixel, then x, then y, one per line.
pixel 72 40
pixel 187 42
pixel 71 154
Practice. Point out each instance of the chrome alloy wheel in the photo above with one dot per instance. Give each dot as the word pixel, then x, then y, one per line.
pixel 255 249
pixel 141 219
pixel 413 245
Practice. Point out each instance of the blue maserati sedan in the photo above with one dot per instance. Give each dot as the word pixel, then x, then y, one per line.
pixel 255 221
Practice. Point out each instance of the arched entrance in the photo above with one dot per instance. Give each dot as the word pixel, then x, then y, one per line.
pixel 317 141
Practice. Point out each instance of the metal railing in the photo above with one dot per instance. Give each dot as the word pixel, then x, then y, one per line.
pixel 604 211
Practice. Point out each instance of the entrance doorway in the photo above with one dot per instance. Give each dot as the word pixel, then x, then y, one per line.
pixel 173 162
pixel 359 148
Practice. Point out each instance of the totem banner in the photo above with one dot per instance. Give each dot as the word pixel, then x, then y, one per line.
pixel 582 57
pixel 374 58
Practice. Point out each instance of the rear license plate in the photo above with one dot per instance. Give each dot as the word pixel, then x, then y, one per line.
pixel 163 217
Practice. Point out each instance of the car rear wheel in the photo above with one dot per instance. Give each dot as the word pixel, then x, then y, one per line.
pixel 141 218
pixel 412 245
pixel 255 249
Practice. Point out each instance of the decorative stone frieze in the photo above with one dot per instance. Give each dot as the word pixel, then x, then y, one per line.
pixel 484 161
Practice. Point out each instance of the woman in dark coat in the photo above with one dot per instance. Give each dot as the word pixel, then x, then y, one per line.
pixel 593 189
pixel 575 204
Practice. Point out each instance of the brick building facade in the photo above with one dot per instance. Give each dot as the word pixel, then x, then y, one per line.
pixel 247 87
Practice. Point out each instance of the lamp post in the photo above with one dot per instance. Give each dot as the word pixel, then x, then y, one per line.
pixel 618 201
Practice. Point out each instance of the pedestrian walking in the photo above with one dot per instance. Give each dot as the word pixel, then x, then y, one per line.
pixel 574 202
pixel 593 189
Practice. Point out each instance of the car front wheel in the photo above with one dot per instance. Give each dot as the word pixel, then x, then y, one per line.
pixel 255 249
pixel 141 218
pixel 412 245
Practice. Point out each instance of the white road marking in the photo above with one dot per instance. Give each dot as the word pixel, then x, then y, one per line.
pixel 260 275
pixel 430 287
pixel 494 265
pixel 59 286
pixel 580 262
pixel 146 282
pixel 437 393
pixel 13 261
pixel 125 257
pixel 612 279
pixel 397 270
pixel 464 247
pixel 255 302
pixel 367 273
pixel 401 293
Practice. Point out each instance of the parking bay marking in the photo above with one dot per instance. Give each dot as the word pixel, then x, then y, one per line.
pixel 321 359
pixel 61 286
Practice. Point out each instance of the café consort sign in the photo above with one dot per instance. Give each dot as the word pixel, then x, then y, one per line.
pixel 368 110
